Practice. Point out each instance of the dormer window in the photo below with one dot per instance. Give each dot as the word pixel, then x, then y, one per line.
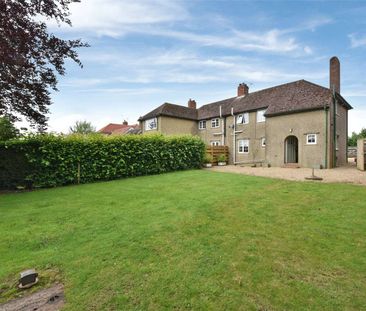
pixel 242 118
pixel 215 123
pixel 260 115
pixel 151 124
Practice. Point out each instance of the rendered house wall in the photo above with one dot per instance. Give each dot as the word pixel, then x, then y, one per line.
pixel 299 125
pixel 341 131
pixel 253 131
pixel 210 134
pixel 175 126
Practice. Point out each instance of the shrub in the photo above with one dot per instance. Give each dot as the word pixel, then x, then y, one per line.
pixel 7 129
pixel 221 158
pixel 207 159
pixel 48 160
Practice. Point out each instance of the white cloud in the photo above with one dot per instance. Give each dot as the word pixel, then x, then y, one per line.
pixel 113 17
pixel 272 40
pixel 357 40
pixel 317 22
pixel 183 66
pixel 116 18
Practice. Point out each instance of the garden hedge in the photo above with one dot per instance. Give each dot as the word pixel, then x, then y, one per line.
pixel 48 160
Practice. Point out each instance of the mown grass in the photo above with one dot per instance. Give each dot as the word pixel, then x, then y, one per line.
pixel 191 240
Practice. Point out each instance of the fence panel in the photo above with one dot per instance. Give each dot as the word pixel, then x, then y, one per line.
pixel 216 151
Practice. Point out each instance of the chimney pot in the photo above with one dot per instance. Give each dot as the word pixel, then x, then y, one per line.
pixel 335 74
pixel 243 89
pixel 192 104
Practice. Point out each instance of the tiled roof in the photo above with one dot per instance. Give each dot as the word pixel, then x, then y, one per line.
pixel 282 99
pixel 171 110
pixel 119 129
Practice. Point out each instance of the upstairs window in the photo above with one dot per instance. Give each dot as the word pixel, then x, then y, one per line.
pixel 311 139
pixel 215 122
pixel 242 118
pixel 243 146
pixel 201 125
pixel 151 124
pixel 260 115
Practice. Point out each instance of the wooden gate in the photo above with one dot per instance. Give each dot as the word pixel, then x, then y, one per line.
pixel 215 151
pixel 361 154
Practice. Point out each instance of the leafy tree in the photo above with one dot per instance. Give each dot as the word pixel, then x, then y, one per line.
pixel 30 57
pixel 7 129
pixel 82 127
pixel 352 140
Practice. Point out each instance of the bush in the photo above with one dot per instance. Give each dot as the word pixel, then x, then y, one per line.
pixel 221 158
pixel 7 129
pixel 47 160
pixel 207 159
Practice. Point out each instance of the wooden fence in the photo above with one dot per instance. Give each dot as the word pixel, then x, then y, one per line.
pixel 361 154
pixel 215 151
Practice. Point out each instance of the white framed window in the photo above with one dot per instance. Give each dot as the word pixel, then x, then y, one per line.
pixel 263 141
pixel 311 139
pixel 215 143
pixel 260 115
pixel 243 146
pixel 151 124
pixel 201 125
pixel 215 122
pixel 242 118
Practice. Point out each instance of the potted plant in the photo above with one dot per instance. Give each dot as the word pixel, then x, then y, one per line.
pixel 221 160
pixel 207 160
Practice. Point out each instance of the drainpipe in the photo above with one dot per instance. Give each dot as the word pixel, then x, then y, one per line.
pixel 334 131
pixel 222 128
pixel 346 136
pixel 326 136
pixel 234 138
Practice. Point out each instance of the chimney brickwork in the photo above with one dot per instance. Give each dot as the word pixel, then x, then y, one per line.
pixel 192 104
pixel 335 74
pixel 243 89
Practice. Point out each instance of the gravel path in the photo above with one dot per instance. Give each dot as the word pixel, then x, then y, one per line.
pixel 49 299
pixel 346 174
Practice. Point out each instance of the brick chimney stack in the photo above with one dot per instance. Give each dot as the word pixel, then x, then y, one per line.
pixel 125 122
pixel 243 89
pixel 192 104
pixel 335 74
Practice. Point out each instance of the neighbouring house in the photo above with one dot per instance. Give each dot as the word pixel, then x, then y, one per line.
pixel 120 129
pixel 297 124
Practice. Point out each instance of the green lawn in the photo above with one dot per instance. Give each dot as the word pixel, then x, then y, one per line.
pixel 194 240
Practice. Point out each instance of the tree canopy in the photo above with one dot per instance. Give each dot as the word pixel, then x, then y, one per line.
pixel 7 129
pixel 82 127
pixel 352 141
pixel 30 57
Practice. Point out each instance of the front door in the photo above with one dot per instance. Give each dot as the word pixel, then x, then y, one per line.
pixel 291 149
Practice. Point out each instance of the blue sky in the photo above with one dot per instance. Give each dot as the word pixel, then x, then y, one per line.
pixel 144 53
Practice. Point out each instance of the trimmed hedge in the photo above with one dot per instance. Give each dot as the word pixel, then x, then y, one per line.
pixel 48 160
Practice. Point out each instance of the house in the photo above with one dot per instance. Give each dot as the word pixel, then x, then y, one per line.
pixel 297 124
pixel 120 129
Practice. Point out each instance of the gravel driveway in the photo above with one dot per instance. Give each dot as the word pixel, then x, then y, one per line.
pixel 345 174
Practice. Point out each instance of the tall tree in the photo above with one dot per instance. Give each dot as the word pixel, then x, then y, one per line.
pixel 30 57
pixel 82 127
pixel 352 140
